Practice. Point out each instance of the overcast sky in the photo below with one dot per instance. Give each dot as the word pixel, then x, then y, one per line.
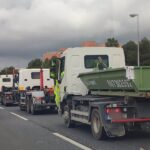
pixel 28 28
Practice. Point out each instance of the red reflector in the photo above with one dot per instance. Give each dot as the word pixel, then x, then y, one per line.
pixel 108 110
pixel 117 110
pixel 112 110
pixel 39 98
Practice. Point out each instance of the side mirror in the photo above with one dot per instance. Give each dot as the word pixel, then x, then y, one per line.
pixel 16 78
pixel 59 81
pixel 54 68
pixel 53 73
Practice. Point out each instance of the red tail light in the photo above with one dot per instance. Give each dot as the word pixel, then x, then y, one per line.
pixel 112 110
pixel 108 110
pixel 117 110
pixel 39 98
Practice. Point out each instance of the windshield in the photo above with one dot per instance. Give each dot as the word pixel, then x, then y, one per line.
pixel 6 79
pixel 35 75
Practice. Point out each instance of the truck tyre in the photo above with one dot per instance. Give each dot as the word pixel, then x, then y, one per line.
pixel 33 112
pixel 28 108
pixel 67 117
pixel 21 108
pixel 2 102
pixel 96 126
pixel 5 103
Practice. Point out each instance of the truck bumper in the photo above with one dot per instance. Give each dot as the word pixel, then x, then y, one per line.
pixel 10 101
pixel 40 107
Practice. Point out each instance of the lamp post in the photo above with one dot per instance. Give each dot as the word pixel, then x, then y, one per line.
pixel 138 36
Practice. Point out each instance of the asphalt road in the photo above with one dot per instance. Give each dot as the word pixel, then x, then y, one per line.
pixel 47 131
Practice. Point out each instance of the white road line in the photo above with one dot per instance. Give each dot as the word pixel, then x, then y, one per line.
pixel 72 142
pixel 1 108
pixel 19 116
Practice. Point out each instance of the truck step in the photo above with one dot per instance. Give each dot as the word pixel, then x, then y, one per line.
pixel 80 113
pixel 80 120
pixel 80 116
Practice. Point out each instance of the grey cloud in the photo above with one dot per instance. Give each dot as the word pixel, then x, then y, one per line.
pixel 28 28
pixel 10 4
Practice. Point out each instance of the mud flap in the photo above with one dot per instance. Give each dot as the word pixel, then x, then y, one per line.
pixel 114 129
pixel 145 127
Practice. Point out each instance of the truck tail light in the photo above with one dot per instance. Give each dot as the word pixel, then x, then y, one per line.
pixel 39 98
pixel 117 110
pixel 113 110
pixel 108 110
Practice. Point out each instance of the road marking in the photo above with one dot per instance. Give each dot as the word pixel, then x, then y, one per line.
pixel 72 141
pixel 1 108
pixel 19 116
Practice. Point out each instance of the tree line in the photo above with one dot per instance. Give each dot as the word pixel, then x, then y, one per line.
pixel 130 50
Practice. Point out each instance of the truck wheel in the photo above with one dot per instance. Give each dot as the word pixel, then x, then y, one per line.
pixel 21 108
pixel 2 102
pixel 28 108
pixel 96 126
pixel 67 117
pixel 33 112
pixel 5 103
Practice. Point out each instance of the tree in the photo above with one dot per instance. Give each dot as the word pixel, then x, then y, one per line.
pixel 46 63
pixel 145 52
pixel 130 50
pixel 112 42
pixel 35 63
pixel 8 70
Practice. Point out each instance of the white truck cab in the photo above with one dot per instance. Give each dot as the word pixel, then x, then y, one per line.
pixel 84 59
pixel 6 80
pixel 31 78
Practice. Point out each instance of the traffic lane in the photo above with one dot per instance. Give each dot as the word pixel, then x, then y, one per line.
pixel 82 133
pixel 16 133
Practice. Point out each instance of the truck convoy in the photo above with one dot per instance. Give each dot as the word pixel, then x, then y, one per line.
pixel 36 90
pixel 8 94
pixel 96 88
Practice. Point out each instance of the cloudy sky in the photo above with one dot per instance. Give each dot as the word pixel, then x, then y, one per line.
pixel 28 28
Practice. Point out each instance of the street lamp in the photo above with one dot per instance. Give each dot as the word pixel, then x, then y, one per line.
pixel 138 35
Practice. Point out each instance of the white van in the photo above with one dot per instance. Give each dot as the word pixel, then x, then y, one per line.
pixel 31 78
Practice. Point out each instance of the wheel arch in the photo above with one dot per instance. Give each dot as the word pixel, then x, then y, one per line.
pixel 65 101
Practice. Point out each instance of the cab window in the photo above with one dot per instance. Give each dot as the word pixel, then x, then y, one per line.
pixel 6 79
pixel 35 75
pixel 90 61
